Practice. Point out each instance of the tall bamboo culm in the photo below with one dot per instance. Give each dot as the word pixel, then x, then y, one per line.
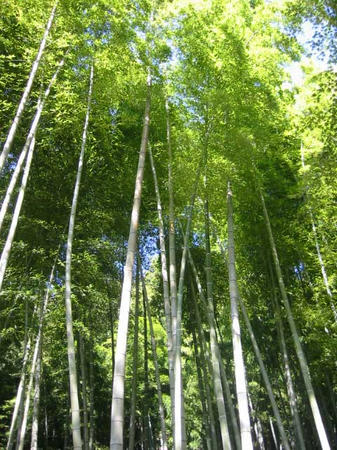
pixel 74 403
pixel 134 368
pixel 117 404
pixel 239 366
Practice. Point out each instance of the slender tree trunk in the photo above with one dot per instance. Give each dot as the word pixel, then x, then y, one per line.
pixel 231 408
pixel 20 418
pixel 239 366
pixel 46 426
pixel 75 409
pixel 179 417
pixel 35 360
pixel 91 397
pixel 257 425
pixel 328 417
pixel 112 339
pixel 213 339
pixel 23 426
pixel 207 443
pixel 11 233
pixel 217 356
pixel 265 377
pixel 290 387
pixel 146 382
pixel 318 250
pixel 172 256
pixel 30 142
pixel 167 306
pixel 24 98
pixel 29 147
pixel 298 347
pixel 322 265
pixel 156 365
pixel 117 407
pixel 21 388
pixel 84 394
pixel 36 405
pixel 273 433
pixel 332 397
pixel 205 363
pixel 38 352
pixel 134 368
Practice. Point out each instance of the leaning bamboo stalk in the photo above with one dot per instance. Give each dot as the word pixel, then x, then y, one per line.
pixel 145 408
pixel 75 409
pixel 16 173
pixel 23 426
pixel 15 219
pixel 19 395
pixel 263 371
pixel 286 363
pixel 117 406
pixel 155 360
pixel 35 358
pixel 298 347
pixel 206 364
pixel 225 384
pixel 217 355
pixel 322 266
pixel 134 368
pixel 167 306
pixel 36 353
pixel 91 398
pixel 36 402
pixel 265 377
pixel 84 394
pixel 213 338
pixel 201 382
pixel 172 255
pixel 29 147
pixel 257 425
pixel 318 248
pixel 24 98
pixel 179 419
pixel 28 144
pixel 239 365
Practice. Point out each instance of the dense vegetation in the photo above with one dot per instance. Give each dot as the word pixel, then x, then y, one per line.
pixel 184 295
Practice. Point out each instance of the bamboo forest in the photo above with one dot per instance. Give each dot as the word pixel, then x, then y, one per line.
pixel 168 224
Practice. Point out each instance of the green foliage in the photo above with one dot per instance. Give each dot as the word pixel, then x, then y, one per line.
pixel 221 66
